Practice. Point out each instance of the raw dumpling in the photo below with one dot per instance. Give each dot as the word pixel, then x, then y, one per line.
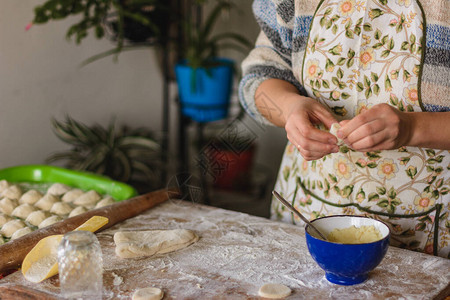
pixel 46 202
pixel 333 130
pixel 4 185
pixel 22 211
pixel 4 218
pixel 88 199
pixel 49 221
pixel 151 293
pixel 77 211
pixel 72 195
pixel 36 217
pixel 105 202
pixel 13 192
pixel 7 205
pixel 12 226
pixel 58 189
pixel 21 232
pixel 30 197
pixel 61 208
pixel 131 244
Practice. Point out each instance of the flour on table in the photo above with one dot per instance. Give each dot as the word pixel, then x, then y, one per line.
pixel 150 293
pixel 274 291
pixel 131 244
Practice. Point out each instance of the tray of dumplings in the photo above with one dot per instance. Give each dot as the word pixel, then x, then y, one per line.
pixel 36 196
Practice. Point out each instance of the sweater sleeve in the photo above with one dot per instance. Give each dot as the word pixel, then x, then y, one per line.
pixel 272 55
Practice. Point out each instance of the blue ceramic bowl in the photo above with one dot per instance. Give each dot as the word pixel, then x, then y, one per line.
pixel 346 264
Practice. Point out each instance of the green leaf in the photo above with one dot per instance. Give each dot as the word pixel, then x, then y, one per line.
pixel 405 46
pixel 385 53
pixel 326 84
pixel 373 197
pixel 376 89
pixel 340 73
pixel 412 38
pixel 334 29
pixel 377 34
pixel 341 61
pixel 350 62
pixel 359 87
pixel 372 165
pixel 349 34
pixel 381 190
pixel 367 27
pixel 345 96
pixel 383 203
pixel 377 46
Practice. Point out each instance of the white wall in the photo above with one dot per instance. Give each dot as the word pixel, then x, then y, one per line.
pixel 40 78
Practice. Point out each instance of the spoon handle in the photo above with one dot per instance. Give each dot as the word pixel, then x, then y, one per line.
pixel 288 205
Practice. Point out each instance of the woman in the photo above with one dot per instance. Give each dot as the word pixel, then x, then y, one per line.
pixel 381 69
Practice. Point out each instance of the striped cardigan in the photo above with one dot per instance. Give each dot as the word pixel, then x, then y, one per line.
pixel 282 41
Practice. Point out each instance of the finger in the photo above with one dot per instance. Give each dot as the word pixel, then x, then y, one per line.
pixel 314 134
pixel 354 124
pixel 372 142
pixel 365 131
pixel 323 116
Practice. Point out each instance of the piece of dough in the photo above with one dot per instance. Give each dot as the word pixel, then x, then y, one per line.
pixel 4 185
pixel 49 221
pixel 46 202
pixel 23 211
pixel 61 208
pixel 274 291
pixel 30 197
pixel 12 226
pixel 7 205
pixel 58 189
pixel 36 217
pixel 4 219
pixel 88 199
pixel 77 211
pixel 21 232
pixel 13 192
pixel 105 202
pixel 150 293
pixel 147 243
pixel 71 195
pixel 333 130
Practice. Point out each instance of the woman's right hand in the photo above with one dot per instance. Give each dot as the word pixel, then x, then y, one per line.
pixel 301 116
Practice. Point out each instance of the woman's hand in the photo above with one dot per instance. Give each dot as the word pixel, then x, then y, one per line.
pixel 301 116
pixel 382 127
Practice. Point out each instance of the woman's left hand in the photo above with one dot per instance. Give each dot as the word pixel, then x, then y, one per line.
pixel 382 127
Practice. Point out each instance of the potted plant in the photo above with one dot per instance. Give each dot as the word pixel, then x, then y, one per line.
pixel 129 23
pixel 204 79
pixel 128 155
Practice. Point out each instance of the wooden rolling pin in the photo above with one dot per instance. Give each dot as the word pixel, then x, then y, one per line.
pixel 13 252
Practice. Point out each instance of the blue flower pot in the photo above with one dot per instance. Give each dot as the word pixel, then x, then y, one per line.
pixel 205 94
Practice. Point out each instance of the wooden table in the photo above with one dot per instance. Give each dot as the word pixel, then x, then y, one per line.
pixel 235 255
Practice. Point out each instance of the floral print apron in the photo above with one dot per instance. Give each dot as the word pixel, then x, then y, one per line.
pixel 359 54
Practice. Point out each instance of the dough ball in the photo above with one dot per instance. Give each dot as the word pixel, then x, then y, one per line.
pixel 150 293
pixel 61 208
pixel 147 243
pixel 49 221
pixel 46 202
pixel 71 195
pixel 77 211
pixel 21 232
pixel 88 199
pixel 7 205
pixel 12 226
pixel 105 202
pixel 12 192
pixel 274 291
pixel 36 217
pixel 4 219
pixel 58 189
pixel 30 197
pixel 23 211
pixel 333 130
pixel 4 185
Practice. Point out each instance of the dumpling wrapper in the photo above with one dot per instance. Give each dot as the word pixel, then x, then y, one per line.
pixel 130 244
pixel 333 130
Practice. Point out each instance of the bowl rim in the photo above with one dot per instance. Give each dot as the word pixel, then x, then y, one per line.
pixel 350 216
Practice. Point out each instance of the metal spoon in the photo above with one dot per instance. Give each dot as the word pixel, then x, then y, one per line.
pixel 288 205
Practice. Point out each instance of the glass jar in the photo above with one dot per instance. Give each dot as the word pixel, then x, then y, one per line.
pixel 80 266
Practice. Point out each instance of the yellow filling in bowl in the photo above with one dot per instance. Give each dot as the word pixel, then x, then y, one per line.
pixel 355 235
